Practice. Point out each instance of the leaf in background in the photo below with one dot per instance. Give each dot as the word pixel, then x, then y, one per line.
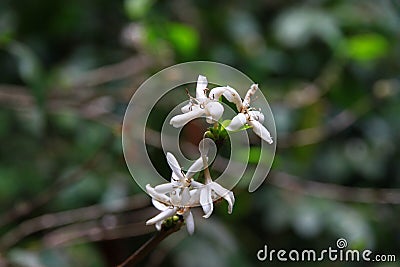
pixel 349 223
pixel 78 255
pixel 295 27
pixel 255 153
pixel 307 219
pixel 213 243
pixel 29 66
pixel 24 258
pixel 7 26
pixel 366 47
pixel 32 121
pixel 136 9
pixel 245 32
pixel 8 184
pixel 30 69
pixel 54 257
pixel 183 38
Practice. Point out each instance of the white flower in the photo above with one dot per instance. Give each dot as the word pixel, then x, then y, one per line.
pixel 247 115
pixel 211 192
pixel 182 192
pixel 178 178
pixel 229 93
pixel 199 106
pixel 170 206
pixel 175 197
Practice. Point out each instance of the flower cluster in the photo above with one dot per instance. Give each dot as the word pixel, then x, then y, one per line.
pixel 210 107
pixel 182 193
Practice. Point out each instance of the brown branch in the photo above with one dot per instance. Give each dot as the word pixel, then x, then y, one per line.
pixel 338 123
pixel 337 192
pixel 334 191
pixel 124 69
pixel 19 97
pixel 311 93
pixel 57 219
pixel 147 247
pixel 15 96
pixel 94 233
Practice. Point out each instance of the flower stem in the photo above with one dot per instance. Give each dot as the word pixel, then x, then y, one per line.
pixel 207 175
pixel 147 247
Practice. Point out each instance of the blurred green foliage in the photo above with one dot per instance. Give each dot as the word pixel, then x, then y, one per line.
pixel 330 70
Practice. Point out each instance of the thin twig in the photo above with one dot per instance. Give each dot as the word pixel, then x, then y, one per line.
pixel 337 124
pixel 337 192
pixel 94 231
pixel 311 93
pixel 147 247
pixel 73 216
pixel 334 191
pixel 117 71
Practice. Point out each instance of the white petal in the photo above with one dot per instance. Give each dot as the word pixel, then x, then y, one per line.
pixel 185 196
pixel 214 109
pixel 204 196
pixel 195 168
pixel 225 193
pixel 249 94
pixel 160 197
pixel 174 165
pixel 216 92
pixel 188 216
pixel 194 198
pixel 206 201
pixel 176 197
pixel 218 189
pixel 176 181
pixel 158 225
pixel 162 216
pixel 164 188
pixel 233 96
pixel 197 184
pixel 186 108
pixel 210 120
pixel 257 115
pixel 201 86
pixel 261 131
pixel 205 145
pixel 238 121
pixel 158 205
pixel 181 119
pixel 230 198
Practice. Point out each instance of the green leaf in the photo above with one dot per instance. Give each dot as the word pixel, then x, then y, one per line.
pixel 183 38
pixel 295 27
pixel 136 9
pixel 30 69
pixel 7 26
pixel 253 152
pixel 225 123
pixel 367 47
pixel 28 63
pixel 244 127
